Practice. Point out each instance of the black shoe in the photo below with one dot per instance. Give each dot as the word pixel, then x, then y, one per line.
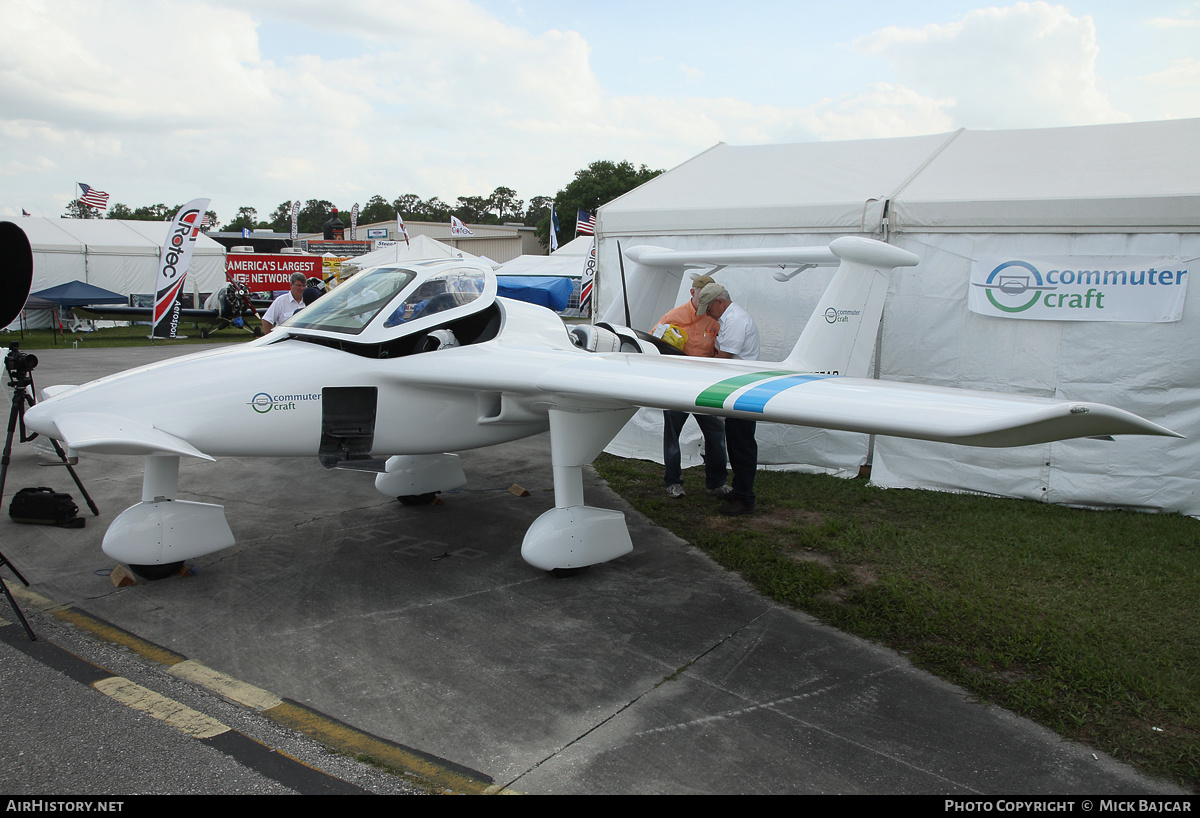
pixel 735 507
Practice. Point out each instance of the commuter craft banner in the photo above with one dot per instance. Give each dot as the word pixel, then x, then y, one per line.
pixel 1080 288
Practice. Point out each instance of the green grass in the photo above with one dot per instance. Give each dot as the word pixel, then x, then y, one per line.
pixel 1081 620
pixel 131 336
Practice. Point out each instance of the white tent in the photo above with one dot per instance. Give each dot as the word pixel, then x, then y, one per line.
pixel 421 248
pixel 117 255
pixel 567 261
pixel 954 199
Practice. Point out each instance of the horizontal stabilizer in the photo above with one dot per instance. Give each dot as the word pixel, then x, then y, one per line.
pixel 652 256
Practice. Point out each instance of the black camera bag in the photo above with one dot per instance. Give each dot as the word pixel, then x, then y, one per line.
pixel 45 506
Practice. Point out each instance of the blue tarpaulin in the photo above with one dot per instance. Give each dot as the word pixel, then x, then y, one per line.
pixel 548 291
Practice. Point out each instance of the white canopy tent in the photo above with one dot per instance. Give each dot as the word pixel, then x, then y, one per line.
pixel 117 255
pixel 421 248
pixel 952 199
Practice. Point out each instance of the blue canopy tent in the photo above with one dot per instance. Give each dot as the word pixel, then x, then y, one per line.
pixel 80 294
pixel 75 294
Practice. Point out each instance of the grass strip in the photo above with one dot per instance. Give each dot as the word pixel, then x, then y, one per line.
pixel 1081 620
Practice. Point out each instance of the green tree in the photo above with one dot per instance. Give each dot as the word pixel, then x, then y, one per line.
pixel 505 204
pixel 596 185
pixel 313 215
pixel 78 210
pixel 474 210
pixel 377 209
pixel 280 220
pixel 247 217
pixel 409 206
pixel 539 208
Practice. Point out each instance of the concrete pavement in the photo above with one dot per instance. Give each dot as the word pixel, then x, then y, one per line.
pixel 657 673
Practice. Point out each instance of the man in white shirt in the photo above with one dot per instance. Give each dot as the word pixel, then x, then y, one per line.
pixel 737 338
pixel 286 305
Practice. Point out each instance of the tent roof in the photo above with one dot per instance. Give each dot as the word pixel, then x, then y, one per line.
pixel 420 248
pixel 104 236
pixel 569 266
pixel 1138 176
pixel 79 293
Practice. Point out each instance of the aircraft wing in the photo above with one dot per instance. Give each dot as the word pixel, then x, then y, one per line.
pixel 109 434
pixel 108 313
pixel 756 390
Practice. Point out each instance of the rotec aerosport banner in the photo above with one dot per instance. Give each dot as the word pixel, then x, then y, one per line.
pixel 1148 289
pixel 266 272
pixel 173 266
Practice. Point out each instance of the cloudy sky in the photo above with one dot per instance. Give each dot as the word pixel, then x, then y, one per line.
pixel 254 102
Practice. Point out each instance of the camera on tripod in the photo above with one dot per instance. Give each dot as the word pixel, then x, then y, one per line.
pixel 20 365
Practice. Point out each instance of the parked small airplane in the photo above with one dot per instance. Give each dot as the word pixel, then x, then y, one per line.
pixel 230 306
pixel 407 362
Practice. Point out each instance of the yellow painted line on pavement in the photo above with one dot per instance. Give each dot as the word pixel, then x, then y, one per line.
pixel 356 743
pixel 223 685
pixel 183 718
pixel 440 775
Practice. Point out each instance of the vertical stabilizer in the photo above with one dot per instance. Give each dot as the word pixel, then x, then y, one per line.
pixel 840 335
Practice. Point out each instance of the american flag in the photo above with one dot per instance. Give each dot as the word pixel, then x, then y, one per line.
pixel 585 223
pixel 92 197
pixel 24 212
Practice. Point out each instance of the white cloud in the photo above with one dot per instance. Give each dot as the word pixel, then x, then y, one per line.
pixel 253 104
pixel 1029 65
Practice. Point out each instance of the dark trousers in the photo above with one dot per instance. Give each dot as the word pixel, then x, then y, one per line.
pixel 743 456
pixel 714 448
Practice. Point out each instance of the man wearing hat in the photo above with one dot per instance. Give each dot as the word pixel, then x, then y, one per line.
pixel 737 338
pixel 699 336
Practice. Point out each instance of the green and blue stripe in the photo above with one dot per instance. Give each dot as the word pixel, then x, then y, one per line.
pixel 769 384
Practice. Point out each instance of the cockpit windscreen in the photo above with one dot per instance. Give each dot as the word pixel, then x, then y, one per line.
pixel 353 305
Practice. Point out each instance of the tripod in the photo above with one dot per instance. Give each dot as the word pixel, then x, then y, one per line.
pixel 4 561
pixel 20 366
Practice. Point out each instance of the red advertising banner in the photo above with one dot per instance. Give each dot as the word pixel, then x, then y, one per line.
pixel 266 272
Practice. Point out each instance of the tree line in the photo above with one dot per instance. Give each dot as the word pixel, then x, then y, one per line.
pixel 593 186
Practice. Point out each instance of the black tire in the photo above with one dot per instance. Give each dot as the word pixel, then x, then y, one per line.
pixel 418 499
pixel 156 572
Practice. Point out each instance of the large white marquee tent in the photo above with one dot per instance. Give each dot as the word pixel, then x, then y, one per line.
pixel 1129 189
pixel 117 255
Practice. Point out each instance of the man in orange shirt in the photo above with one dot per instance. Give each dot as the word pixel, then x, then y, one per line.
pixel 700 332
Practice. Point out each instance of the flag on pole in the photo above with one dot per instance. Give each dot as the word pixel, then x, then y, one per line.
pixel 587 282
pixel 553 229
pixel 24 212
pixel 205 221
pixel 245 232
pixel 457 228
pixel 354 222
pixel 92 197
pixel 402 230
pixel 295 215
pixel 585 224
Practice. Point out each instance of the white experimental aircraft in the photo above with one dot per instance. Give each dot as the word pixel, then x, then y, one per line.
pixel 407 362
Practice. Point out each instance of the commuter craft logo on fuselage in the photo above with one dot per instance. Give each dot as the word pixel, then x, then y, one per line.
pixel 264 402
pixel 1080 288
